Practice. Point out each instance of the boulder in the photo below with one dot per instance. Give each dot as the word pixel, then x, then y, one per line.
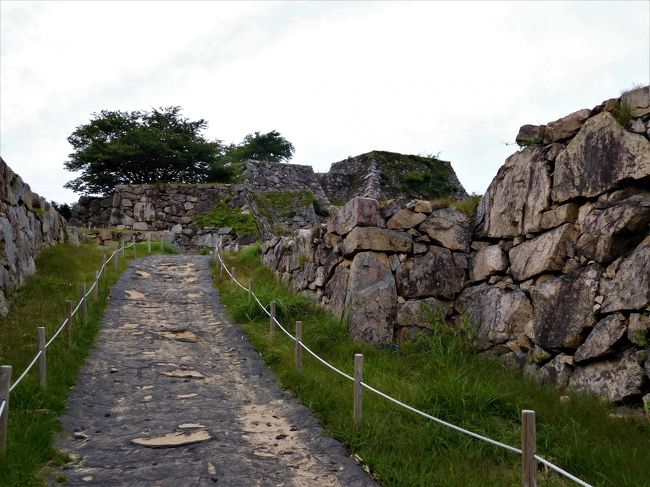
pixel 600 157
pixel 637 330
pixel 144 212
pixel 404 219
pixel 542 254
pixel 432 274
pixel 557 216
pixel 423 206
pixel 563 307
pixel 530 133
pixel 336 288
pixel 615 379
pixel 358 212
pixel 630 288
pixel 565 127
pixel 516 197
pixel 488 261
pixel 608 230
pixel 638 100
pixel 557 371
pixel 602 338
pixel 420 312
pixel 377 239
pixel 371 298
pixel 450 228
pixel 500 313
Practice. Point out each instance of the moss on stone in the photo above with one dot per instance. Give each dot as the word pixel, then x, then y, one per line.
pixel 243 224
pixel 283 203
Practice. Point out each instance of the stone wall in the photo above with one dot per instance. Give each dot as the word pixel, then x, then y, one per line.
pixel 554 271
pixel 27 224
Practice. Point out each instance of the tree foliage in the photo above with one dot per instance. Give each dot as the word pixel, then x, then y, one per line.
pixel 139 147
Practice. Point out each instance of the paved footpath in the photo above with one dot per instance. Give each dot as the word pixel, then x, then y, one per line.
pixel 168 369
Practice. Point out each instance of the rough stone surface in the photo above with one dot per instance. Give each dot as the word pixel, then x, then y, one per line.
pixel 542 254
pixel 432 274
pixel 615 379
pixel 371 298
pixel 619 292
pixel 253 424
pixel 358 212
pixel 638 329
pixel 528 133
pixel 638 100
pixel 488 261
pixel 404 219
pixel 600 157
pixel 562 214
pixel 564 307
pixel 337 288
pixel 449 228
pixel 420 312
pixel 377 239
pixel 602 338
pixel 500 313
pixel 557 371
pixel 565 127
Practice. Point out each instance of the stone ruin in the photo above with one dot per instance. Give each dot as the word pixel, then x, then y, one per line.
pixel 553 270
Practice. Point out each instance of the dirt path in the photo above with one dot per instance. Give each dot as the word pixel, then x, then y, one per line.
pixel 167 369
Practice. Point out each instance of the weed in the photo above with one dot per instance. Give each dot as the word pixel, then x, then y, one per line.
pixel 623 114
pixel 243 224
pixel 537 140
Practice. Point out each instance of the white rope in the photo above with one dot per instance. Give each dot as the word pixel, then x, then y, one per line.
pixel 562 472
pixel 47 345
pixel 90 290
pixel 29 367
pixel 2 407
pixel 74 311
pixel 400 403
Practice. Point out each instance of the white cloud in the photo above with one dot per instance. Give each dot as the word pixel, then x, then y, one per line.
pixel 336 79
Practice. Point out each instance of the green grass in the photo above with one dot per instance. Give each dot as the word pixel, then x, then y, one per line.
pixel 441 376
pixel 623 114
pixel 244 224
pixel 33 415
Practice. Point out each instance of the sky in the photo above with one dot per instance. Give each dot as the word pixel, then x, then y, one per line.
pixel 337 79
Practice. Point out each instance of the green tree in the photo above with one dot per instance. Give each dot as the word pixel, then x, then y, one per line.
pixel 139 147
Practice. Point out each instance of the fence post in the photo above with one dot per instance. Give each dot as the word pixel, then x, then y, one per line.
pixel 528 449
pixel 122 247
pixel 135 254
pixel 149 243
pixel 5 384
pixel 234 273
pixel 298 349
pixel 250 291
pixel 84 305
pixel 272 322
pixel 221 264
pixel 68 325
pixel 358 390
pixel 116 255
pixel 104 268
pixel 96 285
pixel 42 362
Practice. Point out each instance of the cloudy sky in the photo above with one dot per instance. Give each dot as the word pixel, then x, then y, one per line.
pixel 335 78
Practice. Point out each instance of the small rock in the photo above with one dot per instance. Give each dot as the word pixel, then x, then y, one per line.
pixel 79 435
pixel 171 440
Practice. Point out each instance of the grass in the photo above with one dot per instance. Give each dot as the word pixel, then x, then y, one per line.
pixel 283 203
pixel 440 375
pixel 243 224
pixel 466 205
pixel 623 114
pixel 33 415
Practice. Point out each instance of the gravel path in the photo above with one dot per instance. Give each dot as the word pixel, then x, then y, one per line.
pixel 168 368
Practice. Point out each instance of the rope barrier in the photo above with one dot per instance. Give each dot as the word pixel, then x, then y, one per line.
pixel 29 367
pixel 2 407
pixel 61 328
pixel 400 403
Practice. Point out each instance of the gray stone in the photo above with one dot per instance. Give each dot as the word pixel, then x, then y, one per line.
pixel 557 371
pixel 600 157
pixel 630 288
pixel 528 133
pixel 336 288
pixel 432 274
pixel 542 254
pixel 637 126
pixel 602 338
pixel 420 312
pixel 488 261
pixel 500 313
pixel 615 379
pixel 140 226
pixel 565 127
pixel 177 229
pixel 562 214
pixel 638 101
pixel 358 212
pixel 377 239
pixel 637 329
pixel 449 228
pixel 404 219
pixel 563 308
pixel 371 298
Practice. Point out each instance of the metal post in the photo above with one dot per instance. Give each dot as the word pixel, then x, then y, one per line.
pixel 358 390
pixel 298 348
pixel 528 449
pixel 42 363
pixel 68 325
pixel 84 302
pixel 5 384
pixel 272 322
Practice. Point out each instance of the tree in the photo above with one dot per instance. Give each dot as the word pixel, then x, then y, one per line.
pixel 139 147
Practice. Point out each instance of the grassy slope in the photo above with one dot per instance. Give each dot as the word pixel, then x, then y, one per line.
pixel 440 376
pixel 33 417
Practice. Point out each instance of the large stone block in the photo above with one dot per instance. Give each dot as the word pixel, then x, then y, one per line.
pixel 337 287
pixel 371 298
pixel 516 197
pixel 563 308
pixel 449 228
pixel 500 313
pixel 557 216
pixel 432 274
pixel 630 288
pixel 602 338
pixel 377 239
pixel 544 253
pixel 488 261
pixel 420 312
pixel 358 212
pixel 565 127
pixel 599 158
pixel 404 219
pixel 638 100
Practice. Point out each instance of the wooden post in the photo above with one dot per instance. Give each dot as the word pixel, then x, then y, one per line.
pixel 116 256
pixel 528 449
pixel 234 273
pixel 221 266
pixel 149 243
pixel 104 267
pixel 250 291
pixel 122 248
pixel 358 390
pixel 272 322
pixel 42 363
pixel 298 349
pixel 5 384
pixel 96 285
pixel 84 302
pixel 68 325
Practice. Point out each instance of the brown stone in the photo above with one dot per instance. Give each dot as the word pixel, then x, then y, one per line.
pixel 528 133
pixel 488 261
pixel 638 101
pixel 542 254
pixel 565 127
pixel 358 212
pixel 423 206
pixel 449 228
pixel 376 239
pixel 562 214
pixel 404 219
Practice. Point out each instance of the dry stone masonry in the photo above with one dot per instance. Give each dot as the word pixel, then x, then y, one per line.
pixel 553 270
pixel 27 224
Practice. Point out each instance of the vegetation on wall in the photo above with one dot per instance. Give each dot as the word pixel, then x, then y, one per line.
pixel 273 204
pixel 222 215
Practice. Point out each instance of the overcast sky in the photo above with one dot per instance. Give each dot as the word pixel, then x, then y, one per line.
pixel 336 79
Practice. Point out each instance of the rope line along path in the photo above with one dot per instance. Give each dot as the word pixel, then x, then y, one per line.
pixel 477 436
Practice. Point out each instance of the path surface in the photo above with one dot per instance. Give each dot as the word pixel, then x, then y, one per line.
pixel 168 362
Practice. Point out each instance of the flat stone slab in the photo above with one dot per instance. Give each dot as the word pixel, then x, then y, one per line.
pixel 174 395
